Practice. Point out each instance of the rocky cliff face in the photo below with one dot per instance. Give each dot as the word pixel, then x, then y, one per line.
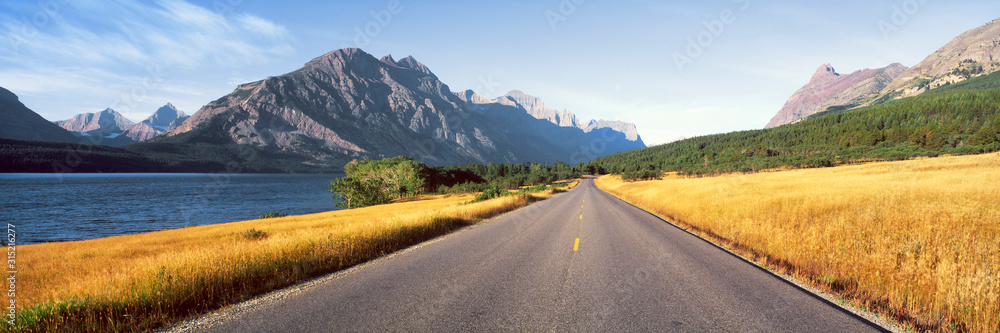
pixel 973 53
pixel 827 88
pixel 347 104
pixel 19 122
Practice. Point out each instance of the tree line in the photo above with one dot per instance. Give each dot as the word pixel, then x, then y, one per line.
pixel 932 124
pixel 373 182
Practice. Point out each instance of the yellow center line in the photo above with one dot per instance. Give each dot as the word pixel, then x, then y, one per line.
pixel 576 246
pixel 581 216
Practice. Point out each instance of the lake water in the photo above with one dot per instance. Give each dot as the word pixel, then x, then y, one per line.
pixel 54 207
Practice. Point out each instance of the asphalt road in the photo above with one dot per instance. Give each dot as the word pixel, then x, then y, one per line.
pixel 581 261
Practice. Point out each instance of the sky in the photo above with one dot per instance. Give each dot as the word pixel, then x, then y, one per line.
pixel 676 69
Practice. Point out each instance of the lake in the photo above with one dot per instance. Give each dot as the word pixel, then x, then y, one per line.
pixel 64 207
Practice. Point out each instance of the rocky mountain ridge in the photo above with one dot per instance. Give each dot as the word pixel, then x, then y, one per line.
pixel 114 129
pixel 348 104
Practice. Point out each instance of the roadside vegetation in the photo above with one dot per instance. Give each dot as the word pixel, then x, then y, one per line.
pixel 917 241
pixel 146 281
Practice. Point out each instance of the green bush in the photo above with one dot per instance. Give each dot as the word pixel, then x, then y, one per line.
pixel 490 193
pixel 253 234
pixel 271 215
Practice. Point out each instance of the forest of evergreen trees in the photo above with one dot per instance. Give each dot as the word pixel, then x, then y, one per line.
pixel 955 121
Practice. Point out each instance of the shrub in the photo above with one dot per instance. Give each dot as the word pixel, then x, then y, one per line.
pixel 253 234
pixel 490 193
pixel 270 215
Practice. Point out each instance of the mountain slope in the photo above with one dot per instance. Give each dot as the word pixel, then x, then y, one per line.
pixel 19 122
pixel 955 122
pixel 347 105
pixel 828 88
pixel 973 53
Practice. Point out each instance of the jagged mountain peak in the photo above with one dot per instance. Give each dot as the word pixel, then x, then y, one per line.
pixel 388 60
pixel 826 69
pixel 165 116
pixel 407 63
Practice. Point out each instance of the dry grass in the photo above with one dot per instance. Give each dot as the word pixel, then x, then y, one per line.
pixel 140 282
pixel 917 241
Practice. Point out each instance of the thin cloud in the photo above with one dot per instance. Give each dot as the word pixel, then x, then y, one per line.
pixel 261 26
pixel 105 50
pixel 170 33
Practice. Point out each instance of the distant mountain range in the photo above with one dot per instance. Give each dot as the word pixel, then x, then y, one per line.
pixel 348 104
pixel 973 53
pixel 111 128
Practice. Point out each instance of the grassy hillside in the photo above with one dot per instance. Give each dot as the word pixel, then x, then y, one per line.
pixel 141 282
pixel 918 241
pixel 950 122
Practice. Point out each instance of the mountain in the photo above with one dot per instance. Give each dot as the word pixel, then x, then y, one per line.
pixel 348 104
pixel 536 108
pixel 166 118
pixel 116 130
pixel 141 132
pixel 828 88
pixel 19 122
pixel 410 63
pixel 108 123
pixel 627 129
pixel 941 123
pixel 973 53
pixel 603 137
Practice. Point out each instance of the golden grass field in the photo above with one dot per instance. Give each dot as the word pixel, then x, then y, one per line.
pixel 917 241
pixel 141 282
